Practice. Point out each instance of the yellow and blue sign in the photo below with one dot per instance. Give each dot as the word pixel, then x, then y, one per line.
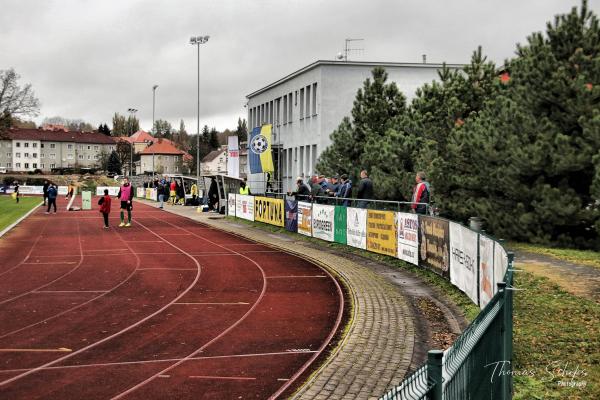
pixel 269 210
pixel 260 155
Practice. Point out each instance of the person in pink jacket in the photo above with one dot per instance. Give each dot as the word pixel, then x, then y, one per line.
pixel 126 196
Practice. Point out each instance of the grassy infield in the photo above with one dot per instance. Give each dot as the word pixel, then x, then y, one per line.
pixel 556 334
pixel 10 211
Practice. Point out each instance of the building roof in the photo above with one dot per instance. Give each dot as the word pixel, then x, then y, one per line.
pixel 370 64
pixel 212 155
pixel 140 136
pixel 163 146
pixel 61 135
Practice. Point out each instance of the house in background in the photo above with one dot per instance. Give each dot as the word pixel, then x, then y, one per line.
pixel 164 158
pixel 215 162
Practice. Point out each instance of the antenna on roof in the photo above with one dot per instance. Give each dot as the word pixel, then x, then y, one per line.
pixel 344 56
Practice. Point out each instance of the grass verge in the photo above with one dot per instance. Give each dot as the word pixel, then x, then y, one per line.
pixel 586 257
pixel 10 211
pixel 556 340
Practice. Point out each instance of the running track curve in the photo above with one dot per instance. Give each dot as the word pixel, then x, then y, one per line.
pixel 166 309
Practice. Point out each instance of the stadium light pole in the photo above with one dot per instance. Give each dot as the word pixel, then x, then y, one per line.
pixel 197 41
pixel 152 130
pixel 132 112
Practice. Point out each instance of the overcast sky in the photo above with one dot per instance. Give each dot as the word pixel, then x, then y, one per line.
pixel 89 59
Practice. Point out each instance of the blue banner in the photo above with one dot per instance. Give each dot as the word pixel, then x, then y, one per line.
pixel 291 215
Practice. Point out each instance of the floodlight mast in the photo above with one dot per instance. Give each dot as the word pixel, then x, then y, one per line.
pixel 197 41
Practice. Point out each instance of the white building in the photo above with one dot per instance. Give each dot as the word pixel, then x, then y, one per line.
pixel 306 106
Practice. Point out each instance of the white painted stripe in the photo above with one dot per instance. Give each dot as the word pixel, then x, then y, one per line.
pixel 216 304
pixel 51 263
pixel 296 276
pixel 167 269
pixel 233 378
pixel 70 291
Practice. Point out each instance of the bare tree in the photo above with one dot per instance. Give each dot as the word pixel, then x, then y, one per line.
pixel 15 100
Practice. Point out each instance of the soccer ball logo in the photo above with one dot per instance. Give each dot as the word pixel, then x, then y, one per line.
pixel 259 144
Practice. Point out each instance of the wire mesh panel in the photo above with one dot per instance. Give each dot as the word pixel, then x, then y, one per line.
pixel 414 387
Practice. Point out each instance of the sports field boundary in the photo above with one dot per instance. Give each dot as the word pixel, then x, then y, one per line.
pixel 27 214
pixel 374 350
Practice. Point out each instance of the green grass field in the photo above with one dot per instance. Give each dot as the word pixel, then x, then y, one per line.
pixel 585 257
pixel 10 211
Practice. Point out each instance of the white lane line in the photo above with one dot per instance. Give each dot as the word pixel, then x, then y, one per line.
pixel 164 360
pixel 70 291
pixel 283 379
pixel 233 378
pixel 51 263
pixel 296 276
pixel 145 241
pixel 166 269
pixel 59 350
pixel 106 250
pixel 216 304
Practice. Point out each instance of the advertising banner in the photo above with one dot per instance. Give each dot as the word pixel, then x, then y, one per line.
pixel 244 207
pixel 305 218
pixel 339 224
pixel 233 157
pixel 139 192
pixel 86 200
pixel 486 270
pixel 112 190
pixel 63 190
pixel 408 237
pixel 30 190
pixel 291 215
pixel 322 222
pixel 500 265
pixel 356 221
pixel 269 210
pixel 381 232
pixel 463 259
pixel 434 246
pixel 231 204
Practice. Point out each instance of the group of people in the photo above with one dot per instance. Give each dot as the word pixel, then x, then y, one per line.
pixel 125 195
pixel 318 188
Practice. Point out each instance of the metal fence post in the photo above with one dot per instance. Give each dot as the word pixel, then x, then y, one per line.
pixel 508 321
pixel 434 373
pixel 503 332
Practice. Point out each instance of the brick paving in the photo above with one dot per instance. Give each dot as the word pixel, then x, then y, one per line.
pixel 377 349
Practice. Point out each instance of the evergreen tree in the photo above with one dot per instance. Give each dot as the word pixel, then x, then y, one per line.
pixel 119 123
pixel 213 140
pixel 114 164
pixel 242 130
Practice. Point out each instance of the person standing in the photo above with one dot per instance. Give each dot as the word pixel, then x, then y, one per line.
pixel 162 192
pixel 420 197
pixel 194 193
pixel 52 194
pixel 302 192
pixel 365 190
pixel 345 190
pixel 45 190
pixel 16 191
pixel 126 196
pixel 244 189
pixel 172 192
pixel 213 195
pixel 104 203
pixel 180 193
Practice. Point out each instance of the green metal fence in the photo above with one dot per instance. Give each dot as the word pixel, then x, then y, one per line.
pixel 475 366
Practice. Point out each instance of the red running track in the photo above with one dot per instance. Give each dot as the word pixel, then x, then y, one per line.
pixel 166 309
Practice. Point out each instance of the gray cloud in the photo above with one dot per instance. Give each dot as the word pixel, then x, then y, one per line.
pixel 89 59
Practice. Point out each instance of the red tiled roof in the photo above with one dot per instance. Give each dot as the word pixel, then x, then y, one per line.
pixel 141 137
pixel 94 137
pixel 162 147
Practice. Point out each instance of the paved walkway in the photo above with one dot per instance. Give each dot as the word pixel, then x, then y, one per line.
pixel 377 349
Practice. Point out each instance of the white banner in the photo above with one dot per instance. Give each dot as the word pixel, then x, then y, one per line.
pixel 233 157
pixel 408 238
pixel 63 190
pixel 486 270
pixel 140 192
pixel 322 222
pixel 356 222
pixel 305 218
pixel 231 204
pixel 500 265
pixel 112 190
pixel 463 259
pixel 244 207
pixel 31 190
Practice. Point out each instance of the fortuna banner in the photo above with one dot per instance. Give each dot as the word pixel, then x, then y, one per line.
pixel 269 210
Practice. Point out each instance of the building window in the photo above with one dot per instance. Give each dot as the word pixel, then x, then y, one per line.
pixel 18 144
pixel 70 147
pixel 97 157
pixel 89 147
pixel 26 165
pixel 34 165
pixel 52 156
pixel 314 98
pixel 42 145
pixel 271 112
pixel 52 145
pixel 278 111
pixel 26 144
pixel 285 109
pixel 308 101
pixel 80 156
pixel 302 103
pixel 80 147
pixel 96 148
pixel 26 155
pixel 34 155
pixel 42 166
pixel 18 165
pixel 52 166
pixel 89 157
pixel 34 145
pixel 8 154
pixel 42 155
pixel 69 156
pixel 17 155
pixel 290 116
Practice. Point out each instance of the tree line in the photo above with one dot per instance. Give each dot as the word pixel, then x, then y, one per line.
pixel 517 144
